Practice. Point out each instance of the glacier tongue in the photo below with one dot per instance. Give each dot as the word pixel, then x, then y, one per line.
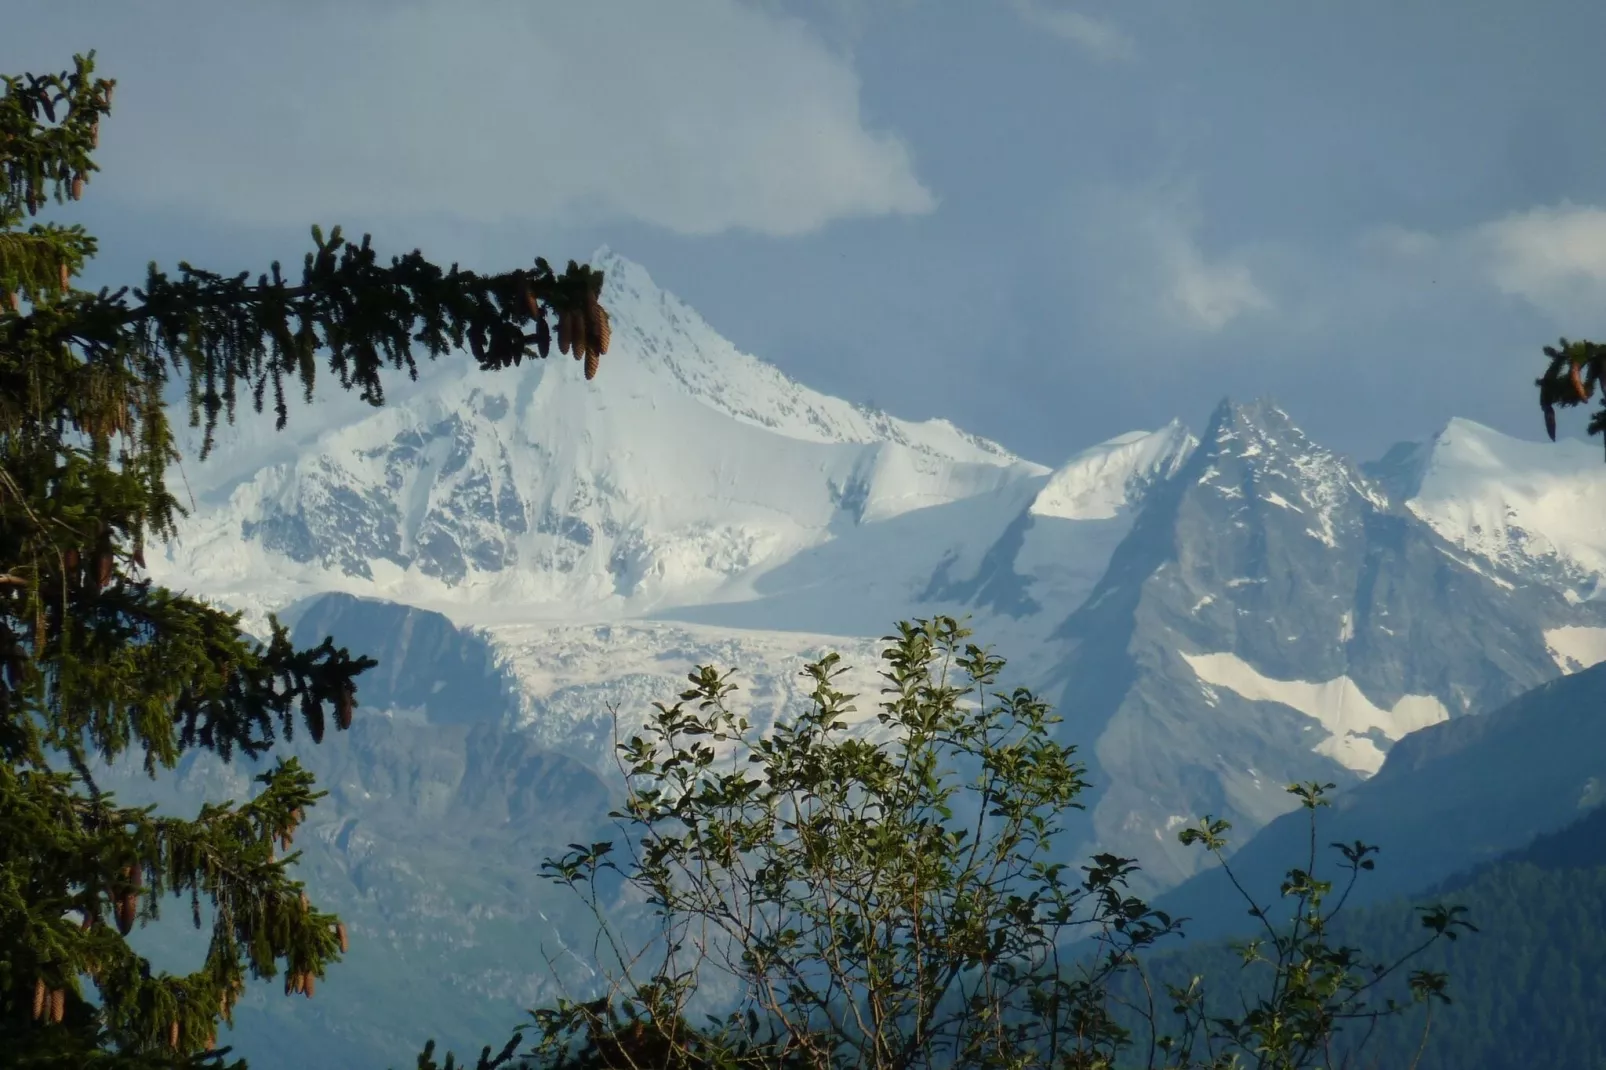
pixel 1214 619
pixel 695 505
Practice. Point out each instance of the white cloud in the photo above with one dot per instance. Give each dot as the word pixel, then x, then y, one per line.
pixel 698 116
pixel 1553 257
pixel 1401 242
pixel 1099 36
pixel 1138 264
pixel 1207 294
pixel 1190 287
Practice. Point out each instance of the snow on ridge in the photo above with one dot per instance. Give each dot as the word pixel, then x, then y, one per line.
pixel 1338 705
pixel 1099 482
pixel 1512 500
pixel 673 337
pixel 683 473
pixel 1283 463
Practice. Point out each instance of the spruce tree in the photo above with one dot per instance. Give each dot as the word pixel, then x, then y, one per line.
pixel 98 663
pixel 1574 370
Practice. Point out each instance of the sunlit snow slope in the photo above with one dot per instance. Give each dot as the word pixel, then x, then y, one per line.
pixel 682 474
pixel 1216 618
pixel 1521 504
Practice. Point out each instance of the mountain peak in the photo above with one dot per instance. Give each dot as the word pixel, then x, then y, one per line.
pixel 1523 504
pixel 1101 481
pixel 697 467
pixel 1248 421
pixel 1254 452
pixel 663 339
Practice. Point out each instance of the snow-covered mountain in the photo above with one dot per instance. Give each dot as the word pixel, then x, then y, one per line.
pixel 1215 616
pixel 685 473
pixel 1272 617
pixel 1525 505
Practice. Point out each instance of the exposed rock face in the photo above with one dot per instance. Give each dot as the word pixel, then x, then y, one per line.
pixel 1273 617
pixel 531 556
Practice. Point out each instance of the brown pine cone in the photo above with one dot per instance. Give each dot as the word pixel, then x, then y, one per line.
pixel 127 911
pixel 58 1005
pixel 344 702
pixel 593 362
pixel 340 935
pixel 38 999
pixel 543 337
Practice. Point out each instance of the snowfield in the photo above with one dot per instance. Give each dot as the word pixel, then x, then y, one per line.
pixel 695 505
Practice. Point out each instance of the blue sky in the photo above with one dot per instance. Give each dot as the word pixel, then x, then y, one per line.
pixel 1050 222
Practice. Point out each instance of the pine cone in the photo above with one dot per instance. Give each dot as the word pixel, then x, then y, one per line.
pixel 306 904
pixel 172 1035
pixel 103 569
pixel 344 702
pixel 127 911
pixel 565 329
pixel 308 983
pixel 605 334
pixel 340 935
pixel 38 999
pixel 593 362
pixel 78 187
pixel 65 280
pixel 58 1005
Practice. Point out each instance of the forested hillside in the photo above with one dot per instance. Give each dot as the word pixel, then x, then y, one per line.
pixel 1527 989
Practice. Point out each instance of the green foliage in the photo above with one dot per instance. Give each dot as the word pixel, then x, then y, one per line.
pixel 1575 369
pixel 889 895
pixel 97 662
pixel 1528 989
pixel 869 901
pixel 1294 985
